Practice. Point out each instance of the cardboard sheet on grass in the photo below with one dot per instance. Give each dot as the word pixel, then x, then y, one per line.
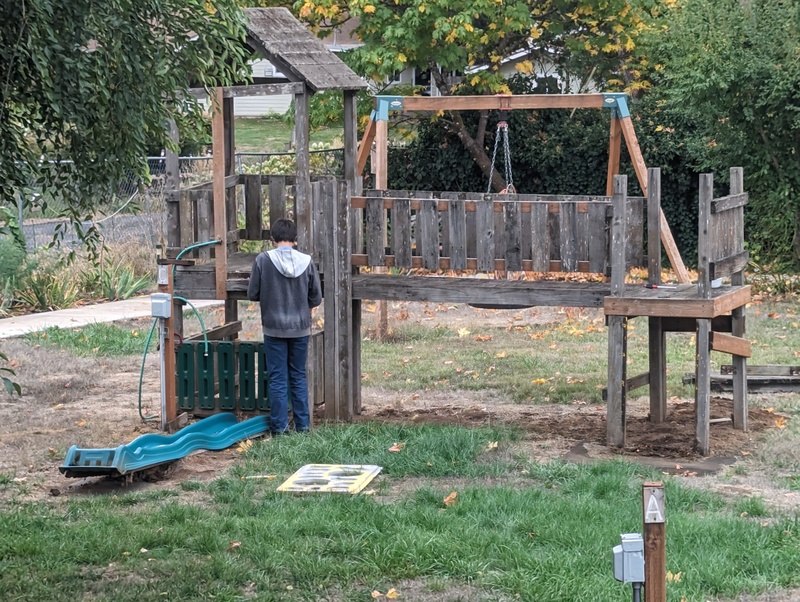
pixel 331 478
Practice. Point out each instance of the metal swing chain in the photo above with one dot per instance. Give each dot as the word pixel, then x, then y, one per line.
pixel 502 132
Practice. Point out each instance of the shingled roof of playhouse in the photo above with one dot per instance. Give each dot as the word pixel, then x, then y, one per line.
pixel 296 52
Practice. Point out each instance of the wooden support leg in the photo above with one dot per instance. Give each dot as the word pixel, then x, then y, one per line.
pixel 231 315
pixel 703 387
pixel 739 374
pixel 617 359
pixel 658 370
pixel 356 357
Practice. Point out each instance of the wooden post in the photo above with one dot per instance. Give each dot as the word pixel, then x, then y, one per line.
pixel 302 197
pixel 617 325
pixel 640 168
pixel 381 183
pixel 614 151
pixel 168 370
pixel 220 219
pixel 703 346
pixel 344 308
pixel 172 197
pixel 231 305
pixel 657 343
pixel 738 329
pixel 655 542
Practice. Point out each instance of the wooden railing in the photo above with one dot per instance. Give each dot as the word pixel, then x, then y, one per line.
pixel 459 231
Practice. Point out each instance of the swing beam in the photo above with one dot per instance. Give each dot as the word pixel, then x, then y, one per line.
pixel 621 127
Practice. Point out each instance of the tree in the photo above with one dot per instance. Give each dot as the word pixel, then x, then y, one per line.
pixel 85 85
pixel 584 41
pixel 732 66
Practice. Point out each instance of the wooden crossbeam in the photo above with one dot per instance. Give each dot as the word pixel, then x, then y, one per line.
pixel 727 343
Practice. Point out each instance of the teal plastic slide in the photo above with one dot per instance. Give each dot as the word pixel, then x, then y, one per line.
pixel 213 433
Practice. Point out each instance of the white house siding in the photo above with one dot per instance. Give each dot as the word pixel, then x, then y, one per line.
pixel 256 106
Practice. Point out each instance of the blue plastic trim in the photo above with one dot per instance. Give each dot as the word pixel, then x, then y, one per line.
pixel 618 103
pixel 213 433
pixel 386 104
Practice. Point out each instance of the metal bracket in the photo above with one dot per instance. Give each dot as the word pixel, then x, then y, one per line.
pixel 384 104
pixel 618 103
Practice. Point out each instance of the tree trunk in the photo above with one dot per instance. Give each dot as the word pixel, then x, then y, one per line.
pixel 473 145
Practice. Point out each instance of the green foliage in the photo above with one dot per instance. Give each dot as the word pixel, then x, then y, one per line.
pixel 119 281
pixel 9 385
pixel 96 83
pixel 47 289
pixel 93 340
pixel 732 68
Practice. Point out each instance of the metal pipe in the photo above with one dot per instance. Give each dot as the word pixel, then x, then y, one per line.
pixel 637 592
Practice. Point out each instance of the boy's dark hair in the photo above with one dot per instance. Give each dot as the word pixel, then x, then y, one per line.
pixel 283 230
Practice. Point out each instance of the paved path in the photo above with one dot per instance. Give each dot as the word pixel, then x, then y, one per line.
pixel 76 317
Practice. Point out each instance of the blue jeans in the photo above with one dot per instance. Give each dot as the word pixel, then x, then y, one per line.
pixel 286 373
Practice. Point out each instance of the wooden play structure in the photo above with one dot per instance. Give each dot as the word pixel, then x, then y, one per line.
pixel 346 230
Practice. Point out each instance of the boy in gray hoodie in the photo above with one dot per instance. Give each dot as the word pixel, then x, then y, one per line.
pixel 286 283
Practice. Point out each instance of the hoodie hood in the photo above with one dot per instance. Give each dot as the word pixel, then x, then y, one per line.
pixel 289 262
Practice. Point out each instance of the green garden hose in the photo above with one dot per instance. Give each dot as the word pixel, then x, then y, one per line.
pixel 153 327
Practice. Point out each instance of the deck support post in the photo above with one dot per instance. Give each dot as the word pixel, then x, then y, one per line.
pixel 738 330
pixel 617 325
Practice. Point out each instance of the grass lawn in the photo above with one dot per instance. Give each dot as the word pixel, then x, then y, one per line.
pixel 458 514
pixel 270 135
pixel 517 530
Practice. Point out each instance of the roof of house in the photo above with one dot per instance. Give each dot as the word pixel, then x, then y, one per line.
pixel 279 37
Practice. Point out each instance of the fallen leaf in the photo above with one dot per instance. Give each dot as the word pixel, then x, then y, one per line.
pixel 81 423
pixel 501 354
pixel 392 594
pixel 397 447
pixel 143 551
pixel 244 446
pixel 234 545
pixel 673 577
pixel 539 381
pixel 58 406
pixel 463 332
pixel 781 423
pixel 491 445
pixel 376 594
pixel 482 338
pixel 450 499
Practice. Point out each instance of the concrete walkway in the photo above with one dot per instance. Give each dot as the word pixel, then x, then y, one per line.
pixel 76 317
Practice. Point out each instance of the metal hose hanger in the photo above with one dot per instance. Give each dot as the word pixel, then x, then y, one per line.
pixel 502 133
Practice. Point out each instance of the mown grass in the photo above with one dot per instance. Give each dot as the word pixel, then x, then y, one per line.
pixel 270 135
pixel 517 531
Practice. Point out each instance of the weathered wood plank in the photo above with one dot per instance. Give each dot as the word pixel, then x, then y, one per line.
pixel 653 227
pixel 484 225
pixel 657 359
pixel 728 265
pixel 473 290
pixel 401 233
pixel 634 234
pixel 598 232
pixel 540 238
pixel 726 203
pixel 721 301
pixel 457 226
pixel 277 198
pixel 428 228
pixel 703 388
pixel 726 343
pixel 617 360
pixel 513 236
pixel 252 207
pixel 568 237
pixel 376 231
pixel 738 315
pixel 618 230
pixel 703 235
